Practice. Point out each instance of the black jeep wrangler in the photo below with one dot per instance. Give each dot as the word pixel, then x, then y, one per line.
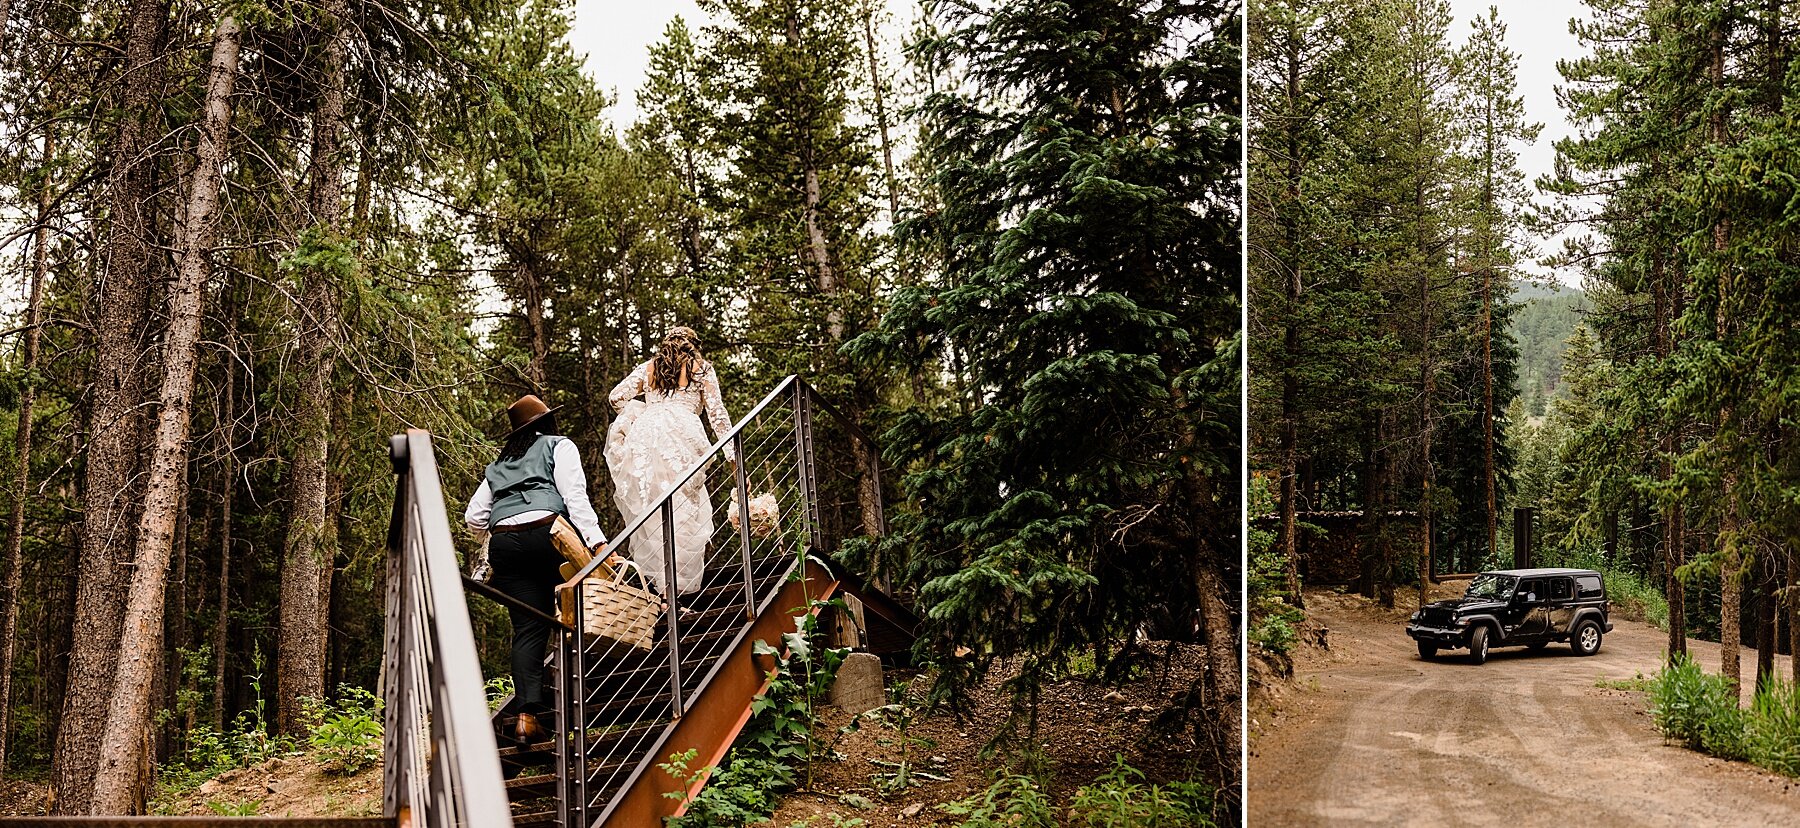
pixel 1517 607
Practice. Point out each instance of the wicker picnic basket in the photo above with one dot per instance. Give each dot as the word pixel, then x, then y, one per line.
pixel 617 612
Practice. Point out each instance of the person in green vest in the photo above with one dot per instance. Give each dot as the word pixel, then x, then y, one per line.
pixel 537 480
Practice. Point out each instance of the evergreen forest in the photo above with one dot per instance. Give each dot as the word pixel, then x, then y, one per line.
pixel 242 243
pixel 1404 372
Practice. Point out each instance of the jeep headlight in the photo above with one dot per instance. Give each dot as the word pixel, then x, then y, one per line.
pixel 1416 615
pixel 1462 622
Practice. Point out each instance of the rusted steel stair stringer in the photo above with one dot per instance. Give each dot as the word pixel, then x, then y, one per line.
pixel 720 708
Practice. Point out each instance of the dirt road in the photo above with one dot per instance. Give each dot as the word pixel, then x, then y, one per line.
pixel 1375 736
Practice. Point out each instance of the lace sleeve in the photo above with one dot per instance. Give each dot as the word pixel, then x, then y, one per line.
pixel 715 408
pixel 628 388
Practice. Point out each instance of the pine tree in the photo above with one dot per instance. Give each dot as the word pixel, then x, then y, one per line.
pixel 1087 172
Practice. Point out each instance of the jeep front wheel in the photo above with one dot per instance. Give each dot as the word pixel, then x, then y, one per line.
pixel 1427 649
pixel 1585 641
pixel 1478 645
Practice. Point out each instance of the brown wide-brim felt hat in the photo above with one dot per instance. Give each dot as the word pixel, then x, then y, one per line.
pixel 525 411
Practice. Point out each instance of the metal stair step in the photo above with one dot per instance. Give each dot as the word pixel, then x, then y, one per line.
pixel 531 787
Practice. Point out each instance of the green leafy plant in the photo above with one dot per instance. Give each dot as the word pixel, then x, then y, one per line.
pixel 1772 732
pixel 1012 801
pixel 222 808
pixel 898 776
pixel 1121 799
pixel 1276 630
pixel 347 735
pixel 1638 683
pixel 498 688
pixel 1699 710
pixel 743 793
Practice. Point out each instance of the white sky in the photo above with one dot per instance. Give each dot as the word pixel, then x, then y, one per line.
pixel 616 36
pixel 1538 30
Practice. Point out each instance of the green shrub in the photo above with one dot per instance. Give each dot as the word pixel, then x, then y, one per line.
pixel 211 752
pixel 346 735
pixel 1697 709
pixel 1275 630
pixel 1120 799
pixel 744 793
pixel 1013 801
pixel 1772 734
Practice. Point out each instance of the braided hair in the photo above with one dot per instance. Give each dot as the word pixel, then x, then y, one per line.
pixel 678 358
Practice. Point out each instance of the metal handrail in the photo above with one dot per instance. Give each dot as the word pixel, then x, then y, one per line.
pixel 657 689
pixel 632 525
pixel 440 764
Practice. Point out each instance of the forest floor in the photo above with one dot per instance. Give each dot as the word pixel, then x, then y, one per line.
pixel 295 785
pixel 1366 733
pixel 1082 726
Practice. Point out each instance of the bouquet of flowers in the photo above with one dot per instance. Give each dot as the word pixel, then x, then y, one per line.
pixel 764 514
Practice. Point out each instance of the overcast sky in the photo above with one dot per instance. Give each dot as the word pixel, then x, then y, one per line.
pixel 616 36
pixel 1538 30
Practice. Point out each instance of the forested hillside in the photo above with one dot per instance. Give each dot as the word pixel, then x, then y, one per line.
pixel 1541 327
pixel 248 242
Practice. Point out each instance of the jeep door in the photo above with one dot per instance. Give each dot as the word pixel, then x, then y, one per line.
pixel 1561 605
pixel 1524 616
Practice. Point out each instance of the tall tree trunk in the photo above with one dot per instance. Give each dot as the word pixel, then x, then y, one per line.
pixel 818 248
pixel 881 122
pixel 119 782
pixel 1730 576
pixel 15 534
pixel 1766 585
pixel 1489 473
pixel 309 546
pixel 109 495
pixel 1674 592
pixel 531 285
pixel 1428 393
pixel 1290 341
pixel 228 487
pixel 1792 594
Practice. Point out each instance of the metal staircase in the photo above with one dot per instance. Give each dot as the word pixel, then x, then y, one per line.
pixel 620 712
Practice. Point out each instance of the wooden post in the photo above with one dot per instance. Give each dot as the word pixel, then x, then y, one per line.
pixel 1522 521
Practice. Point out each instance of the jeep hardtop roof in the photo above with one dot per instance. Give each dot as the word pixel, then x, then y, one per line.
pixel 1528 573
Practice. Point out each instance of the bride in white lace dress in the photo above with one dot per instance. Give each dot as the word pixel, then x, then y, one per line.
pixel 656 438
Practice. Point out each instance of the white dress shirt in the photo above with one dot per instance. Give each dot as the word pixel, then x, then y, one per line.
pixel 571 484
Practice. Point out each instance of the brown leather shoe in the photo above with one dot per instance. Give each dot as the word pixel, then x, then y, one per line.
pixel 527 730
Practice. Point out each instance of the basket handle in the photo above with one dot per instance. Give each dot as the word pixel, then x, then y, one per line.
pixel 619 574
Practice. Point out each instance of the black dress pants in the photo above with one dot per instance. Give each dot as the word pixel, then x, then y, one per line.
pixel 525 567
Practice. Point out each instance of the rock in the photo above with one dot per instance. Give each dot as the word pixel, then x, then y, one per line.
pixel 1114 697
pixel 912 810
pixel 858 688
pixel 210 787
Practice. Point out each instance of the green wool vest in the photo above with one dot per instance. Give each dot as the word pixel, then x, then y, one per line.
pixel 527 483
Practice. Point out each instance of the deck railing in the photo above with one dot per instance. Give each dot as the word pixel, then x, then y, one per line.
pixel 440 765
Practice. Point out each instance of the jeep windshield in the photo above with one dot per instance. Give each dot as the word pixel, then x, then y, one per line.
pixel 1491 587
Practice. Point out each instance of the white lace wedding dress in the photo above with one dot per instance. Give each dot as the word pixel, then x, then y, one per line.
pixel 651 442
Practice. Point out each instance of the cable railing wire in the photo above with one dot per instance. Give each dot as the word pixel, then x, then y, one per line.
pixel 440 765
pixel 613 702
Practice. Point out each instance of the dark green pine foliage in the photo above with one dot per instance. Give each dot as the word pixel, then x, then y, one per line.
pixel 795 192
pixel 1088 176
